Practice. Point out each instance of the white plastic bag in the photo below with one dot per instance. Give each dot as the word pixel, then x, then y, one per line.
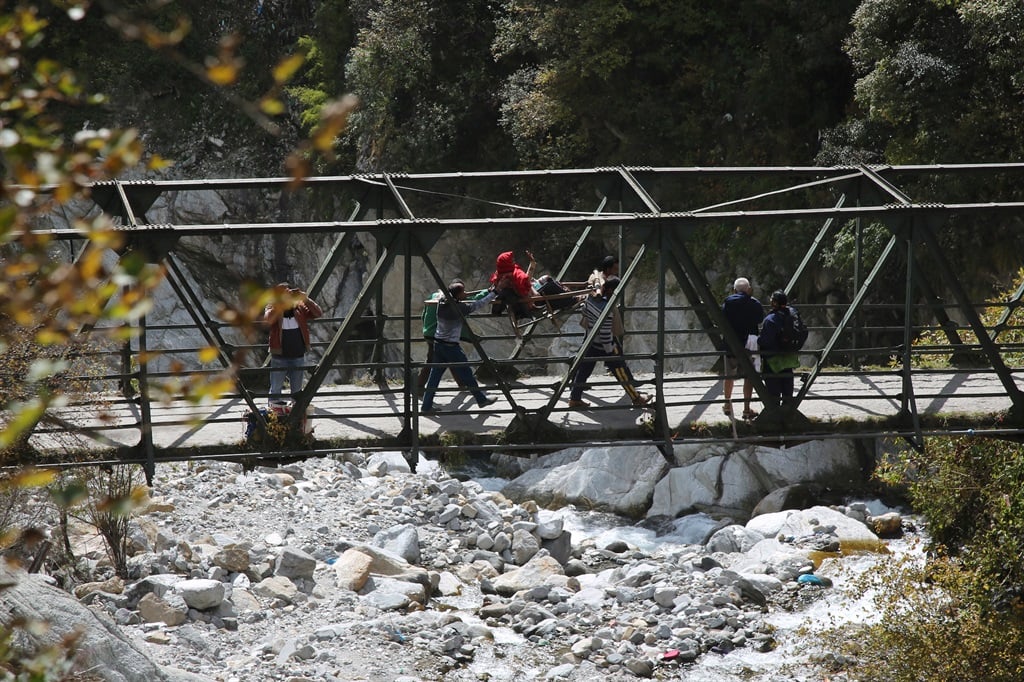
pixel 752 347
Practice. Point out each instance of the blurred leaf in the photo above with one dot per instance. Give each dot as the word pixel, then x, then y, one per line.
pixel 271 106
pixel 208 354
pixel 69 495
pixel 123 505
pixel 23 418
pixel 158 163
pixel 31 478
pixel 287 67
pixel 222 74
pixel 43 368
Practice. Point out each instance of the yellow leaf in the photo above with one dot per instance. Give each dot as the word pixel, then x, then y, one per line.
pixel 271 106
pixel 208 354
pixel 157 162
pixel 222 74
pixel 31 478
pixel 287 67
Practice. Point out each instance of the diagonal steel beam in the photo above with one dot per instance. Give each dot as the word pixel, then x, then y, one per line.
pixel 989 347
pixel 207 328
pixel 917 272
pixel 710 314
pixel 816 246
pixel 1011 306
pixel 351 321
pixel 851 311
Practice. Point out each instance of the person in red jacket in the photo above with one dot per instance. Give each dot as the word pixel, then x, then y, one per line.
pixel 514 286
pixel 288 319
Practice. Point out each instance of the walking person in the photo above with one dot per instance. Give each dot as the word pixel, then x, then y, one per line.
pixel 288 319
pixel 602 348
pixel 609 267
pixel 744 314
pixel 779 363
pixel 447 346
pixel 429 321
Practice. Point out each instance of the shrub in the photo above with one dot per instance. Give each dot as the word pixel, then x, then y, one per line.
pixel 113 493
pixel 927 629
pixel 957 613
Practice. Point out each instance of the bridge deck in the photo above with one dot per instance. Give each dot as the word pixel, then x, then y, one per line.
pixel 352 416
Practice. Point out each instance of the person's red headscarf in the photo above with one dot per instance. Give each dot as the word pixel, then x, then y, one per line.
pixel 508 274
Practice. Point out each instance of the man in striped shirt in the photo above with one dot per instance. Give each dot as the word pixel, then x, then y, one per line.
pixel 602 348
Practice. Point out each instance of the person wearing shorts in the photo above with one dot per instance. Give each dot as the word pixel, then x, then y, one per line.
pixel 744 313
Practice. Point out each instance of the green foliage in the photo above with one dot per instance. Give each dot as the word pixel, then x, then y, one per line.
pixel 927 630
pixel 971 493
pixel 957 612
pixel 934 78
pixel 653 82
pixel 1005 322
pixel 425 78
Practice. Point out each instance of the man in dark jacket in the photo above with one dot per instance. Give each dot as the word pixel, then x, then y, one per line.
pixel 744 313
pixel 778 364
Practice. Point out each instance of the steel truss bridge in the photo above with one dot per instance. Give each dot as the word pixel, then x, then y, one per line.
pixel 899 285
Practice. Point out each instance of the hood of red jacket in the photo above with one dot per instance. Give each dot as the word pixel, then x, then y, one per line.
pixel 506 262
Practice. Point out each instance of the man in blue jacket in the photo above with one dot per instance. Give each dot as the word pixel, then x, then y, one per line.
pixel 778 363
pixel 744 313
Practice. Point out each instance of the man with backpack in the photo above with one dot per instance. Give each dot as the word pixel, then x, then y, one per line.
pixel 782 335
pixel 448 351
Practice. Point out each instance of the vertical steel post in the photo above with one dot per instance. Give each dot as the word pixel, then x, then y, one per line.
pixel 145 409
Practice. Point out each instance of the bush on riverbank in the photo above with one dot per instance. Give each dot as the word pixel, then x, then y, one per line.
pixel 958 613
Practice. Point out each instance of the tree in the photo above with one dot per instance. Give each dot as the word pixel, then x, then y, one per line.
pixel 937 81
pixel 425 78
pixel 651 82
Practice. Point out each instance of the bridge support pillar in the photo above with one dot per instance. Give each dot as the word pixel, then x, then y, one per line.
pixel 782 418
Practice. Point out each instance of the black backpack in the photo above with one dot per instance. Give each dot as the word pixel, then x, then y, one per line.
pixel 793 334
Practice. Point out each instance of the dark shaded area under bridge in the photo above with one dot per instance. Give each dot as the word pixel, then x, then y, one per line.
pixel 861 373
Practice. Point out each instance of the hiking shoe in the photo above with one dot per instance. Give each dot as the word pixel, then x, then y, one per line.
pixel 487 400
pixel 578 404
pixel 642 399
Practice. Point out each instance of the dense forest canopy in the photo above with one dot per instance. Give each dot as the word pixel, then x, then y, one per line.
pixel 507 84
pixel 460 85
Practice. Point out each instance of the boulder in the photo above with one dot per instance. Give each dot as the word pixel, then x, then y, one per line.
pixel 619 480
pixel 103 652
pixel 732 481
